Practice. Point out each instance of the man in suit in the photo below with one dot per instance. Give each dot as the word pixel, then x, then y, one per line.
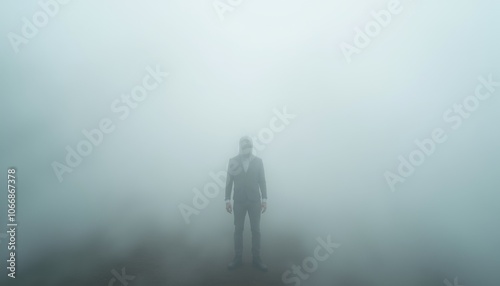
pixel 246 173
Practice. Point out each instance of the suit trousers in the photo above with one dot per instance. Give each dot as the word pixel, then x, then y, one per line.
pixel 240 209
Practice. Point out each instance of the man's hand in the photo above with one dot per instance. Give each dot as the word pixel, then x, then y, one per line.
pixel 263 206
pixel 229 208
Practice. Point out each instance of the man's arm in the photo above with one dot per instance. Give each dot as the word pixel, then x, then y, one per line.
pixel 229 187
pixel 263 187
pixel 262 182
pixel 229 180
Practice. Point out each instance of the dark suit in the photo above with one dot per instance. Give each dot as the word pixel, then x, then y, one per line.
pixel 247 198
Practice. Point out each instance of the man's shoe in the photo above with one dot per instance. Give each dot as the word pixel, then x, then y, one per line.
pixel 260 265
pixel 236 263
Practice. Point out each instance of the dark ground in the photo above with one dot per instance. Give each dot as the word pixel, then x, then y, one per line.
pixel 172 259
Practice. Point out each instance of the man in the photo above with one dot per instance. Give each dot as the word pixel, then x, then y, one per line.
pixel 246 172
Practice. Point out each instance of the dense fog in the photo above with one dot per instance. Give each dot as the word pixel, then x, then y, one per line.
pixel 376 121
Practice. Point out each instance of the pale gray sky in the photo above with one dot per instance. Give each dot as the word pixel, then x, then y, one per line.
pixel 325 170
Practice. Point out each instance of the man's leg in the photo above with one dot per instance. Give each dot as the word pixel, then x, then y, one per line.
pixel 240 211
pixel 254 211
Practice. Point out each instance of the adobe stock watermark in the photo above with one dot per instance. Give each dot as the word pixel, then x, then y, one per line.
pixel 363 37
pixel 211 190
pixel 221 7
pixel 448 283
pixel 455 116
pixel 310 264
pixel 40 19
pixel 122 277
pixel 122 108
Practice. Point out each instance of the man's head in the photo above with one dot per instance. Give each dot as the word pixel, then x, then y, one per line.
pixel 246 146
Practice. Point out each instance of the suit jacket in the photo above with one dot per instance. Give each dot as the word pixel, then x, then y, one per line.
pixel 246 184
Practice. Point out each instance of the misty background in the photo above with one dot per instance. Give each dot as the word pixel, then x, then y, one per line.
pixel 325 169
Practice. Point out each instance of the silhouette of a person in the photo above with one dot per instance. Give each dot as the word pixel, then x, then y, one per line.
pixel 246 173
